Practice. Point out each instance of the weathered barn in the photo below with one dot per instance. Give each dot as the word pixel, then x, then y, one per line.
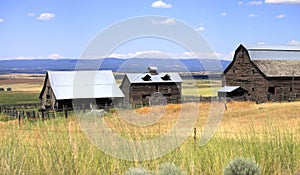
pixel 266 72
pixel 152 87
pixel 62 88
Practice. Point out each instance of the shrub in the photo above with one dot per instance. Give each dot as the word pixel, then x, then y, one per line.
pixel 138 171
pixel 9 89
pixel 1 89
pixel 169 168
pixel 242 166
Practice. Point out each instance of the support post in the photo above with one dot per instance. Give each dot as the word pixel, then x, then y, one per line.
pixel 66 111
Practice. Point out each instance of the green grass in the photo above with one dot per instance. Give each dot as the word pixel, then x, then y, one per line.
pixel 18 97
pixel 201 87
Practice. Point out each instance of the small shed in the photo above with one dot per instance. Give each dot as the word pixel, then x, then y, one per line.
pixel 61 88
pixel 232 91
pixel 153 87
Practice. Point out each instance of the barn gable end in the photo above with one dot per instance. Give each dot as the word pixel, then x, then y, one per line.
pixel 277 77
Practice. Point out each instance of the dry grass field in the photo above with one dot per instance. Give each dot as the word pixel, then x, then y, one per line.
pixel 268 133
pixel 22 82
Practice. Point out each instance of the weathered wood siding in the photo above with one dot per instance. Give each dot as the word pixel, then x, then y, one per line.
pixel 242 72
pixel 140 93
pixel 285 88
pixel 125 87
pixel 48 98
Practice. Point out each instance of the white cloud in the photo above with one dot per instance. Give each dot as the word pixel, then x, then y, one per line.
pixel 30 14
pixel 282 1
pixel 1 20
pixel 55 56
pixel 255 3
pixel 200 28
pixel 160 55
pixel 161 4
pixel 261 43
pixel 280 16
pixel 240 3
pixel 141 54
pixel 294 43
pixel 252 15
pixel 223 14
pixel 46 16
pixel 166 21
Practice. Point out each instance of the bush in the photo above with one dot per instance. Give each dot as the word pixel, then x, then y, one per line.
pixel 169 169
pixel 138 171
pixel 242 166
pixel 9 89
pixel 1 89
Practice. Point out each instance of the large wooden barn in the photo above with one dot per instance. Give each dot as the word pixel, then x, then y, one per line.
pixel 62 88
pixel 265 72
pixel 151 88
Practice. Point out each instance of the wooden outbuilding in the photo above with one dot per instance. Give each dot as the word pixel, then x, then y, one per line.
pixel 65 88
pixel 151 88
pixel 234 92
pixel 266 72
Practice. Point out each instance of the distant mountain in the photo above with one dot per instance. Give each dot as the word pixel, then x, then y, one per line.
pixel 114 64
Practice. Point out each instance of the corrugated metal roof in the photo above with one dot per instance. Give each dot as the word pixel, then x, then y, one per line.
pixel 274 55
pixel 271 47
pixel 228 88
pixel 83 84
pixel 137 78
pixel 273 52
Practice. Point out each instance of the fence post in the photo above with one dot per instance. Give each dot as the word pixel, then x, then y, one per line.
pixel 66 111
pixel 43 114
pixel 33 114
pixel 19 118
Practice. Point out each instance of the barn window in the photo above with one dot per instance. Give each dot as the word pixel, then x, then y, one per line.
pixel 291 89
pixel 253 71
pixel 233 71
pixel 156 87
pixel 271 90
pixel 166 77
pixel 147 78
pixel 253 89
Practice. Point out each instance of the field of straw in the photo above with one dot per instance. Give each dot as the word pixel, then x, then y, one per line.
pixel 269 133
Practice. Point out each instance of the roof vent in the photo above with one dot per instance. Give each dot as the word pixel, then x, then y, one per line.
pixel 147 77
pixel 152 70
pixel 166 77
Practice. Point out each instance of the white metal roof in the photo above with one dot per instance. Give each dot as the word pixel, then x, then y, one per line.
pixel 83 84
pixel 228 88
pixel 137 78
pixel 273 52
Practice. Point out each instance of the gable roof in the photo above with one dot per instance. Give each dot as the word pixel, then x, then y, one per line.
pixel 82 84
pixel 157 78
pixel 279 68
pixel 273 52
pixel 273 60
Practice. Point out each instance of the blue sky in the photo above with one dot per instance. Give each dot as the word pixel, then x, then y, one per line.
pixel 63 28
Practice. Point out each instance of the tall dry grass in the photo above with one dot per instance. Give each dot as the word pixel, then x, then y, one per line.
pixel 269 133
